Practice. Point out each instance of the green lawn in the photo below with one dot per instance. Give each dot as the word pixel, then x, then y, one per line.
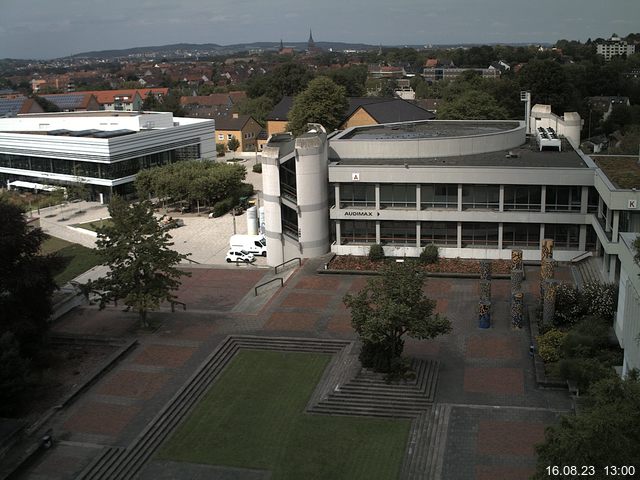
pixel 76 259
pixel 93 226
pixel 253 417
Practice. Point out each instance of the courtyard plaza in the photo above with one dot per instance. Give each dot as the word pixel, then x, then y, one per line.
pixel 492 411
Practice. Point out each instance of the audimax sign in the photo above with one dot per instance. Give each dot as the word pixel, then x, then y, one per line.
pixel 360 213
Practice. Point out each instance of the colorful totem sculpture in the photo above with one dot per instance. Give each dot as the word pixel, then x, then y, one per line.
pixel 484 307
pixel 517 297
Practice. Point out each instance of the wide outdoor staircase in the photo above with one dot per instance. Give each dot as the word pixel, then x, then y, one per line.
pixel 427 441
pixel 369 394
pixel 345 389
pixel 589 270
pixel 116 463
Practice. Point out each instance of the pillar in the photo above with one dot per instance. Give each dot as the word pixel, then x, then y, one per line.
pixel 547 248
pixel 549 302
pixel 517 309
pixel 485 290
pixel 516 259
pixel 485 270
pixel 517 276
pixel 484 314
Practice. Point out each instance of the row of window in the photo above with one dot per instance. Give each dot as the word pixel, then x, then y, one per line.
pixel 109 171
pixel 473 234
pixel 445 196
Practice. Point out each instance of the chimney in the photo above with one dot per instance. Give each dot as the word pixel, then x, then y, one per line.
pixel 235 114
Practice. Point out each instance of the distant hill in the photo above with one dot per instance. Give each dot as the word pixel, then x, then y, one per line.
pixel 208 49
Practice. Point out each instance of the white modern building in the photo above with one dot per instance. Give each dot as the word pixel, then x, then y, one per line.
pixel 104 149
pixel 476 189
pixel 613 47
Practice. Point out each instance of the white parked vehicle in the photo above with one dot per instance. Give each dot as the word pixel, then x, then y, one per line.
pixel 237 255
pixel 255 244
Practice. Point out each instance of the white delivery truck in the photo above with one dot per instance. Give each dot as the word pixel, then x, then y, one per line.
pixel 255 244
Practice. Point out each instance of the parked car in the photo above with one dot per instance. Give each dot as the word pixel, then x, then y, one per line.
pixel 235 255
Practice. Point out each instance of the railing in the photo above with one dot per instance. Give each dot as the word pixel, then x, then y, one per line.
pixel 255 290
pixel 275 269
pixel 192 261
pixel 582 256
pixel 175 302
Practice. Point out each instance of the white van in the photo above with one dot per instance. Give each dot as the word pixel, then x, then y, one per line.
pixel 255 244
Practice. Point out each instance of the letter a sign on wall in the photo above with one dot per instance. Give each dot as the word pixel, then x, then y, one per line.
pixel 355 177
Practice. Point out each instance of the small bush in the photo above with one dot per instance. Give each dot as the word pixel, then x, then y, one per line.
pixel 376 252
pixel 584 371
pixel 245 190
pixel 429 254
pixel 600 299
pixel 549 345
pixel 570 305
pixel 586 339
pixel 223 206
pixel 257 168
pixel 220 150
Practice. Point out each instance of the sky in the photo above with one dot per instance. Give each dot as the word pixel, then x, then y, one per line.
pixel 42 29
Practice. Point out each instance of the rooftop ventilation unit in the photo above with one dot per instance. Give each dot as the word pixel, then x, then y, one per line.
pixel 548 138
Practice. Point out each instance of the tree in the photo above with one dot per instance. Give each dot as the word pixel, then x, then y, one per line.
pixel 387 88
pixel 605 432
pixel 150 103
pixel 233 144
pixel 258 108
pixel 472 104
pixel 26 282
pixel 142 267
pixel 322 102
pixel 389 307
pixel 15 375
pixel 287 79
pixel 547 82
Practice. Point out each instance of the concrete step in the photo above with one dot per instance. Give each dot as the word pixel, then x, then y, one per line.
pixel 362 411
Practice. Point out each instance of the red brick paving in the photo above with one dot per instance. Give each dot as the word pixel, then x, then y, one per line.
pixel 111 322
pixel 506 381
pixel 319 282
pixel 508 438
pixel 340 324
pixel 481 346
pixel 306 300
pixel 493 472
pixel 62 466
pixel 291 321
pixel 164 355
pixel 437 287
pixel 442 304
pixel 101 418
pixel 358 284
pixel 429 348
pixel 188 331
pixel 218 289
pixel 127 383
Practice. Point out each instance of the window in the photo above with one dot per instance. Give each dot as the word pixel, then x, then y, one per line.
pixel 220 136
pixel 288 178
pixel 564 236
pixel 522 197
pixel 357 231
pixel 229 136
pixel 439 196
pixel 398 233
pixel 289 222
pixel 480 196
pixel 479 234
pixel 439 233
pixel 521 235
pixel 357 195
pixel 397 195
pixel 592 200
pixel 563 199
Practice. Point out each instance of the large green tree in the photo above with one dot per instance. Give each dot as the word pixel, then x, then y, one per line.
pixel 26 281
pixel 322 102
pixel 285 80
pixel 472 104
pixel 389 307
pixel 605 431
pixel 142 266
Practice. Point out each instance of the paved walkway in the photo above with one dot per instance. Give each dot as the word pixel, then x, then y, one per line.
pixel 486 376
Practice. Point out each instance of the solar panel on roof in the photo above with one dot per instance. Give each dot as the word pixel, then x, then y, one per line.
pixel 84 133
pixel 67 101
pixel 113 133
pixel 11 106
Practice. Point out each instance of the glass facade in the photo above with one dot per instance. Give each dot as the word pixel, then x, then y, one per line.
pixel 288 182
pixel 564 236
pixel 563 199
pixel 521 235
pixel 108 171
pixel 439 196
pixel 522 197
pixel 289 222
pixel 357 195
pixel 476 234
pixel 481 197
pixel 358 232
pixel 400 195
pixel 398 233
pixel 439 233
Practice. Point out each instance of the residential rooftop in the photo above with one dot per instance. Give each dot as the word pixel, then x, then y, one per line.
pixel 429 129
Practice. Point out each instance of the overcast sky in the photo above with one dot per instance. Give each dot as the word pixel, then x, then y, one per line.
pixel 55 28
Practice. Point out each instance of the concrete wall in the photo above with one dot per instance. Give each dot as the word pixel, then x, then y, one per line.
pixel 271 203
